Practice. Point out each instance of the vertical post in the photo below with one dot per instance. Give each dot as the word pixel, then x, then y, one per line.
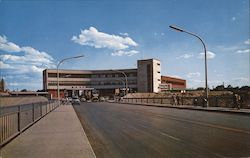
pixel 41 109
pixel 19 119
pixel 33 112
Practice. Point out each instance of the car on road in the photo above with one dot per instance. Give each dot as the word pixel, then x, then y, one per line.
pixel 76 101
pixel 101 99
pixel 69 99
pixel 83 100
pixel 95 99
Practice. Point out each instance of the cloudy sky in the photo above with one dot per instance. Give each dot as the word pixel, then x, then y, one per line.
pixel 35 35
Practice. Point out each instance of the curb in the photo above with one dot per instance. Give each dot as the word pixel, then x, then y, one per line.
pixel 191 108
pixel 92 150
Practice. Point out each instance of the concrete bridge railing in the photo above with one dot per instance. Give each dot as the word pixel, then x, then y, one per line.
pixel 214 101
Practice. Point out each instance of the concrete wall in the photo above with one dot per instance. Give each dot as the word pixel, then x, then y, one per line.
pixel 226 100
pixel 11 101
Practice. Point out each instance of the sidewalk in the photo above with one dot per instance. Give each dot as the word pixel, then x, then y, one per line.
pixel 57 135
pixel 190 107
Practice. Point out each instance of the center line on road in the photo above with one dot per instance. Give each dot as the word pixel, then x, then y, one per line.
pixel 172 137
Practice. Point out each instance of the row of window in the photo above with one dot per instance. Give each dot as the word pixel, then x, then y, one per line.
pixel 91 83
pixel 64 75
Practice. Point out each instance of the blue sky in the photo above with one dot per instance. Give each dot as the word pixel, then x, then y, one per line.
pixel 35 35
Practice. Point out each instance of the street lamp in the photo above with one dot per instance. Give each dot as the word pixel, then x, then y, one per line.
pixel 58 90
pixel 181 30
pixel 126 78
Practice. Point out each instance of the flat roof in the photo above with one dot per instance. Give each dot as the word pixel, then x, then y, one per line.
pixel 175 78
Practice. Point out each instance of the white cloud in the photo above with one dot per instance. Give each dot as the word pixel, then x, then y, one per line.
pixel 31 56
pixel 210 55
pixel 8 46
pixel 247 42
pixel 92 37
pixel 36 69
pixel 243 51
pixel 14 84
pixel 193 74
pixel 5 66
pixel 185 56
pixel 124 34
pixel 121 53
pixel 27 61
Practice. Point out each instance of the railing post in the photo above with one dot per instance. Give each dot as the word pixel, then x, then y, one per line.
pixel 19 119
pixel 33 112
pixel 41 110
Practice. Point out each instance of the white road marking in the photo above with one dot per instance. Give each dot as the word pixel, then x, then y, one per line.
pixel 172 137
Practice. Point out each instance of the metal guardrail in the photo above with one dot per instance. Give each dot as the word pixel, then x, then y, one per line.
pixel 15 119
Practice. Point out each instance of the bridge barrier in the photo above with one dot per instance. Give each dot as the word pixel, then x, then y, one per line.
pixel 15 119
pixel 214 101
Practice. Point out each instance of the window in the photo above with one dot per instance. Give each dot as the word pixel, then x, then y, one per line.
pixel 109 75
pixel 94 76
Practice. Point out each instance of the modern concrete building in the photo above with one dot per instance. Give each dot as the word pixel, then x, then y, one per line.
pixel 146 78
pixel 149 75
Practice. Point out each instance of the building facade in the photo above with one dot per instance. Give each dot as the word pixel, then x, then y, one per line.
pixel 2 85
pixel 172 83
pixel 145 78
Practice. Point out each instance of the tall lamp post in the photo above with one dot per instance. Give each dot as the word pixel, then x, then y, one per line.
pixel 58 90
pixel 205 50
pixel 126 78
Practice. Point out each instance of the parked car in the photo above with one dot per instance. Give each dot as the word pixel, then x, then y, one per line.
pixel 101 99
pixel 76 101
pixel 95 99
pixel 83 100
pixel 69 99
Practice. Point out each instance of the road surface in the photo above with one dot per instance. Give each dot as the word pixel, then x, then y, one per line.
pixel 124 130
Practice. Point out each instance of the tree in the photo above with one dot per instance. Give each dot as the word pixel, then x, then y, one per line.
pixel 219 88
pixel 200 88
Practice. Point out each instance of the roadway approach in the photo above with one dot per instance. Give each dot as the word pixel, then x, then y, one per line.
pixel 126 130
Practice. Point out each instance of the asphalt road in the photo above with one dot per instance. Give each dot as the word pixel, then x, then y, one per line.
pixel 124 130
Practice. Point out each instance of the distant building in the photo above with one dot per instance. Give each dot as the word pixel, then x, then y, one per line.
pixel 145 78
pixel 2 85
pixel 172 83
